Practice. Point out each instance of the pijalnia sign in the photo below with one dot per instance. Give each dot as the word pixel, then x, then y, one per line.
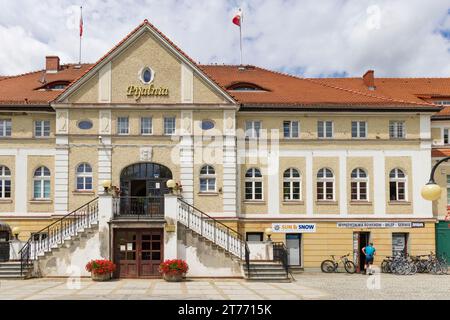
pixel 146 91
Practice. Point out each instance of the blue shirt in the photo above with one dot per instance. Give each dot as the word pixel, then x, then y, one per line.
pixel 370 251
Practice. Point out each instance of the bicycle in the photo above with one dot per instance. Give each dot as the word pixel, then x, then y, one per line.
pixel 332 265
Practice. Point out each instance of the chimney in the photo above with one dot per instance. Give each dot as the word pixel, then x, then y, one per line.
pixel 52 64
pixel 369 79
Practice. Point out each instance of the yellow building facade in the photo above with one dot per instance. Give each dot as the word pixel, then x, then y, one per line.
pixel 326 170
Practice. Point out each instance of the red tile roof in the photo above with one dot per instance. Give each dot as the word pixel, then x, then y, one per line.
pixel 281 90
pixel 288 89
pixel 24 89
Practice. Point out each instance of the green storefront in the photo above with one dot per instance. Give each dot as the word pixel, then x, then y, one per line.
pixel 443 238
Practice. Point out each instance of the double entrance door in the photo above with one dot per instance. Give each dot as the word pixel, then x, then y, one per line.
pixel 138 252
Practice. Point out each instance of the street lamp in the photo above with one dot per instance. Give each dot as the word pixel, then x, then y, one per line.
pixel 106 184
pixel 431 191
pixel 268 232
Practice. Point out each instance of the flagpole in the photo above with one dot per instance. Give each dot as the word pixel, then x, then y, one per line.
pixel 81 19
pixel 240 39
pixel 240 32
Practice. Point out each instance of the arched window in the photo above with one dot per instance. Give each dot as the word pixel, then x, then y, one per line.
pixel 84 177
pixel 397 185
pixel 207 179
pixel 325 185
pixel 253 184
pixel 41 183
pixel 5 182
pixel 359 185
pixel 291 185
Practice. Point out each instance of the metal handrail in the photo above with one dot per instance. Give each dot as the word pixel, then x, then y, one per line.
pixel 280 253
pixel 55 232
pixel 215 235
pixel 139 206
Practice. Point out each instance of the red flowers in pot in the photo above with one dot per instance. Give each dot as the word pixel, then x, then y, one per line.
pixel 173 270
pixel 100 269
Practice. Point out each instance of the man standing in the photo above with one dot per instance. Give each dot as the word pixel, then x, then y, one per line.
pixel 369 252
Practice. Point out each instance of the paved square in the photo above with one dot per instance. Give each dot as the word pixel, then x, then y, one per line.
pixel 308 285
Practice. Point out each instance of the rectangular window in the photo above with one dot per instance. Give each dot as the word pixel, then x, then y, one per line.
pixel 42 128
pixel 399 243
pixel 207 184
pixel 445 136
pixel 254 236
pixel 5 128
pixel 253 129
pixel 253 190
pixel 396 129
pixel 325 129
pixel 41 189
pixel 169 125
pixel 146 125
pixel 122 125
pixel 291 129
pixel 325 191
pixel 359 129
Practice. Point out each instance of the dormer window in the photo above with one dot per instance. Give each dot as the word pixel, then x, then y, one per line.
pixel 56 85
pixel 245 86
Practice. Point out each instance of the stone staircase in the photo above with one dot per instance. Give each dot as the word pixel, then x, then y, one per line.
pixel 266 271
pixel 61 234
pixel 12 270
pixel 230 242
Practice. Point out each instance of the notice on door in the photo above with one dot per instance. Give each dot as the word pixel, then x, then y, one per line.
pixel 293 227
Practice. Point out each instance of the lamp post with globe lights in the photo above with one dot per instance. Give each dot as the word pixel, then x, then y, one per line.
pixel 432 191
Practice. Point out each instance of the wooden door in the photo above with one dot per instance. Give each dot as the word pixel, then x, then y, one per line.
pixel 127 254
pixel 151 254
pixel 138 252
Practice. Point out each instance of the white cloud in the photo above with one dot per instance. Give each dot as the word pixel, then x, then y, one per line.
pixel 395 37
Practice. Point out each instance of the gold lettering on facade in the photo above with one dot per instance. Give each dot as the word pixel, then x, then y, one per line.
pixel 150 91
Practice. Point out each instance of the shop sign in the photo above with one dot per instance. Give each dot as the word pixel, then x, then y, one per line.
pixel 381 224
pixel 293 227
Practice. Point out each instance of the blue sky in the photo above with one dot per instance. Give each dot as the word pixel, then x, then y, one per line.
pixel 305 37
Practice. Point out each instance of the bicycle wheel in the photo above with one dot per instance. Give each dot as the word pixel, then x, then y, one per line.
pixel 327 266
pixel 385 266
pixel 413 269
pixel 350 267
pixel 444 268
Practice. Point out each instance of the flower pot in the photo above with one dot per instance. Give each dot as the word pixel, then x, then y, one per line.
pixel 175 277
pixel 101 277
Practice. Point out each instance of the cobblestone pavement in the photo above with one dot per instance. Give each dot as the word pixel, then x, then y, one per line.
pixel 307 286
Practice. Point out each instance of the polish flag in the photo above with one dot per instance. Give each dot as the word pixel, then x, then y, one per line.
pixel 237 19
pixel 81 24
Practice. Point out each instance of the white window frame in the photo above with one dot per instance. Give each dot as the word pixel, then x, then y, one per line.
pixel 253 180
pixel 398 180
pixel 150 128
pixel 43 124
pixel 290 133
pixel 5 175
pixel 166 132
pixel 324 129
pixel 84 175
pixel 395 125
pixel 443 135
pixel 209 177
pixel 41 180
pixel 358 180
pixel 324 180
pixel 358 129
pixel 291 180
pixel 5 127
pixel 120 126
pixel 250 131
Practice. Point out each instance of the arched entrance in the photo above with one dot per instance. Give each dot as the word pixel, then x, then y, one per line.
pixel 142 187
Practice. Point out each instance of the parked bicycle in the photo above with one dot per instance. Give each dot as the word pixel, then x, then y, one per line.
pixel 404 264
pixel 332 265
